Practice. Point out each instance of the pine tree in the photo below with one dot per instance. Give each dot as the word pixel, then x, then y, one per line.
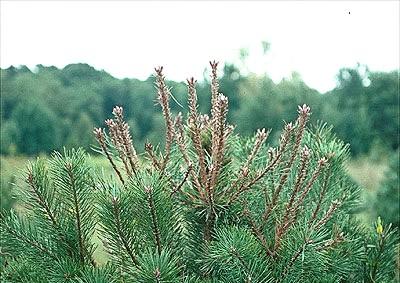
pixel 386 203
pixel 207 206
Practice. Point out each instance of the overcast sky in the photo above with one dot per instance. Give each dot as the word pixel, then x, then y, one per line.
pixel 129 38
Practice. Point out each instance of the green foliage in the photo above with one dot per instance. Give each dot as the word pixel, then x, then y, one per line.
pixel 56 232
pixel 7 199
pixel 382 107
pixel 378 258
pixel 208 206
pixel 387 197
pixel 81 133
pixel 157 267
pixel 366 108
pixel 37 129
pixel 236 256
pixel 50 107
pixel 9 134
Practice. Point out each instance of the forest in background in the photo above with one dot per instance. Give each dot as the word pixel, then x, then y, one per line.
pixel 47 108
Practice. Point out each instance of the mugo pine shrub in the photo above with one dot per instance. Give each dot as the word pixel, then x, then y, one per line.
pixel 209 206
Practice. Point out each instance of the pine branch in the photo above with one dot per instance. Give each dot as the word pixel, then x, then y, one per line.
pixel 214 89
pixel 68 167
pixel 321 196
pixel 304 113
pixel 40 199
pixel 281 229
pixel 71 174
pixel 117 225
pixel 120 232
pixel 302 173
pixel 332 208
pixel 99 134
pixel 180 139
pixel 321 164
pixel 236 254
pixel 293 260
pixel 219 139
pixel 195 130
pixel 331 242
pixel 125 136
pixel 256 230
pixel 163 99
pixel 210 221
pixel 156 230
pixel 14 227
pixel 149 149
pixel 261 137
pixel 119 143
pixel 179 186
pixel 275 161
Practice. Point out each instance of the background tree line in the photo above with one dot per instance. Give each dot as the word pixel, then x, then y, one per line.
pixel 45 109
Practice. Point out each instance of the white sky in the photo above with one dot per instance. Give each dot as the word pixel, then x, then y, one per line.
pixel 129 38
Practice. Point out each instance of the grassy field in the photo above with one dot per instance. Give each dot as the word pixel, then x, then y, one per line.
pixel 369 174
pixel 366 172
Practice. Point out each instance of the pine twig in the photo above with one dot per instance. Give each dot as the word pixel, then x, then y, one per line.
pixel 118 142
pixel 122 236
pixel 236 254
pixel 284 140
pixel 328 215
pixel 302 173
pixel 68 167
pixel 44 204
pixel 293 259
pixel 210 221
pixel 156 231
pixel 125 137
pixel 157 275
pixel 256 230
pixel 180 139
pixel 149 149
pixel 331 242
pixel 219 138
pixel 163 99
pixel 321 164
pixel 214 88
pixel 31 243
pixel 195 130
pixel 304 113
pixel 282 228
pixel 260 138
pixel 321 197
pixel 99 134
pixel 40 199
pixel 179 186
